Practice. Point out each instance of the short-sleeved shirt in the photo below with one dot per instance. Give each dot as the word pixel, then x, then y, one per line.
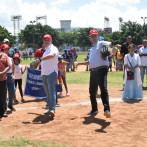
pixel 143 58
pixel 61 67
pixel 124 48
pixel 17 72
pixel 4 62
pixel 50 65
pixel 39 53
pixel 11 52
pixel 95 59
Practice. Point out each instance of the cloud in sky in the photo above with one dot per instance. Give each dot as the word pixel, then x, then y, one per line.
pixel 88 15
pixel 59 2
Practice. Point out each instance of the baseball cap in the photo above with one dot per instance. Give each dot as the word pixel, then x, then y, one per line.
pixel 60 57
pixel 47 36
pixel 140 46
pixel 6 40
pixel 72 49
pixel 15 48
pixel 16 56
pixel 93 32
pixel 5 46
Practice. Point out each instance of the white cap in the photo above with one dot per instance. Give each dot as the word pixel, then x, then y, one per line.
pixel 6 40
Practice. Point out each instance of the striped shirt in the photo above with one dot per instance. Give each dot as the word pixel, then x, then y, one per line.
pixel 4 62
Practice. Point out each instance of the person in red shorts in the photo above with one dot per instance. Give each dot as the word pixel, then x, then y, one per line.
pixel 5 66
pixel 39 53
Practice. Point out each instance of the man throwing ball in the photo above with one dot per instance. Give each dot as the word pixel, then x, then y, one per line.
pixel 49 72
pixel 98 74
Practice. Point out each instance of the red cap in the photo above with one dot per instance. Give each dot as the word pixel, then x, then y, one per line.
pixel 5 46
pixel 16 56
pixel 47 36
pixel 72 49
pixel 93 32
pixel 140 46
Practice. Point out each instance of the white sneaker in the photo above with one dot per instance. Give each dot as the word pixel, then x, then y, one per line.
pixel 52 113
pixel 46 112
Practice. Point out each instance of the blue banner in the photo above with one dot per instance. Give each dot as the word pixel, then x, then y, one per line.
pixel 34 85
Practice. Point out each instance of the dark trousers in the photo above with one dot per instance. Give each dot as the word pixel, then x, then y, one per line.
pixel 19 81
pixel 3 93
pixel 99 78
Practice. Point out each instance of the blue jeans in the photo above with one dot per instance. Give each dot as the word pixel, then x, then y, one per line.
pixel 11 90
pixel 49 82
pixel 142 72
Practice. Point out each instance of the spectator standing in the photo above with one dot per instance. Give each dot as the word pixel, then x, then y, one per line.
pixel 26 55
pixel 4 68
pixel 11 51
pixel 143 56
pixel 10 82
pixel 16 51
pixel 133 83
pixel 124 46
pixel 30 54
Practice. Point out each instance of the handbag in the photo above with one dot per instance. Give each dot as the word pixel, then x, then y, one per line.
pixel 130 74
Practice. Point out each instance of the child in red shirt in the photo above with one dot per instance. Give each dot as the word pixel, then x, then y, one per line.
pixel 61 67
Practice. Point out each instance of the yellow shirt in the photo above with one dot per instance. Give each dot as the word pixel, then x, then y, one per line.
pixel 119 56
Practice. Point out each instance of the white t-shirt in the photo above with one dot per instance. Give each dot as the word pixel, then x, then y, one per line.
pixel 143 58
pixel 17 73
pixel 49 66
pixel 10 71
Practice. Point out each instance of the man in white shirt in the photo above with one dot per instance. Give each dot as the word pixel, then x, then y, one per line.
pixel 49 72
pixel 143 56
pixel 98 74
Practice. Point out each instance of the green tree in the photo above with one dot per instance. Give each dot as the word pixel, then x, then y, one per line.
pixel 4 33
pixel 26 35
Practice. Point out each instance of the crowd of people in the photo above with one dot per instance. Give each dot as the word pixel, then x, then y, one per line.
pixel 133 62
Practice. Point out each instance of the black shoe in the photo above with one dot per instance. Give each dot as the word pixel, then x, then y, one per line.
pixel 92 112
pixel 12 108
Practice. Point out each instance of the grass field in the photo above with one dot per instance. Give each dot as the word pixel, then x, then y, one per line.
pixel 83 77
pixel 22 142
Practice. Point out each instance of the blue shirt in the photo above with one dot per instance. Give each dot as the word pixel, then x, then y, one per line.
pixel 95 59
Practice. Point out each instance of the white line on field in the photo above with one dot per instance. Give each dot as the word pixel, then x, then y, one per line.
pixel 75 104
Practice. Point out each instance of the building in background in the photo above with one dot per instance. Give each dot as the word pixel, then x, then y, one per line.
pixel 65 26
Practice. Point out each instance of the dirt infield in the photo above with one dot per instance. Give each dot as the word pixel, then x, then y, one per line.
pixel 72 125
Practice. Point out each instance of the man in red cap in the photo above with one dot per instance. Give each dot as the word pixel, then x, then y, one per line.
pixel 49 72
pixel 4 68
pixel 98 75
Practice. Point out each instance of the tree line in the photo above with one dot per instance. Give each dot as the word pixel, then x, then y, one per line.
pixel 76 38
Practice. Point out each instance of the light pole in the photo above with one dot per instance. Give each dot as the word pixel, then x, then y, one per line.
pixel 144 24
pixel 32 22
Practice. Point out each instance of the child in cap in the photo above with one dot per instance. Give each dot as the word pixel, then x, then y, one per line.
pixel 61 67
pixel 18 75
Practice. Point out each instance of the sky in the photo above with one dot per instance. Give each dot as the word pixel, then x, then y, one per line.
pixel 83 13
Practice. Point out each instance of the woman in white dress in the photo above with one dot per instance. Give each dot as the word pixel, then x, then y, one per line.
pixel 132 81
